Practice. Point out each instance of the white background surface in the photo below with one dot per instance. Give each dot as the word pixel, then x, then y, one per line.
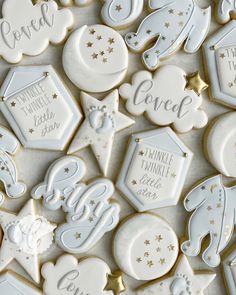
pixel 33 164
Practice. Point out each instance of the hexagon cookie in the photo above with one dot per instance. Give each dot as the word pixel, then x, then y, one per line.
pixel 39 108
pixel 154 169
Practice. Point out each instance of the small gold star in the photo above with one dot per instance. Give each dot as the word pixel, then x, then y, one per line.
pixel 171 247
pixel 105 60
pixel 1 136
pixel 92 31
pixel 203 188
pixel 173 175
pixel 92 202
pixel 89 44
pixel 148 31
pixel 115 283
pixel 141 153
pixel 209 208
pixel 194 82
pixel 54 96
pixel 219 205
pixel 139 260
pixel 99 38
pixel 111 40
pixel 230 84
pixel 134 182
pixel 162 261
pixel 209 258
pixel 212 222
pixel 150 263
pixel 78 236
pixel 167 25
pixel 31 130
pixel 102 53
pixel 171 11
pixel 222 55
pixel 13 104
pixel 146 254
pixel 90 219
pixel 180 13
pixel 159 238
pixel 66 170
pixel 147 242
pixel 110 49
pixel 158 249
pixel 181 24
pixel 94 55
pixel 118 8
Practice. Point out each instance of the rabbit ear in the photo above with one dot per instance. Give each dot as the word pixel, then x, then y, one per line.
pixel 39 191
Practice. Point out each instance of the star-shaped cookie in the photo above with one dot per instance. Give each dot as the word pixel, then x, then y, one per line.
pixel 102 121
pixel 25 236
pixel 183 280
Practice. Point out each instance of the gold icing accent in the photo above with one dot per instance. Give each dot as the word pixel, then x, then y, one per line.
pixel 115 283
pixel 194 82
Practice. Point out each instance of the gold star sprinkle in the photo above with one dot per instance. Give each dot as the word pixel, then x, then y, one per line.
pixel 1 136
pixel 77 236
pixel 118 8
pixel 110 49
pixel 150 263
pixel 171 11
pixel 66 170
pixel 94 55
pixel 162 261
pixel 90 219
pixel 31 130
pixel 92 203
pixel 139 260
pixel 115 283
pixel 158 249
pixel 89 44
pixel 134 182
pixel 111 40
pixel 159 238
pixel 194 82
pixel 171 247
pixel 212 222
pixel 104 60
pixel 54 96
pixel 141 153
pixel 99 38
pixel 13 104
pixel 209 208
pixel 167 25
pixel 222 55
pixel 146 254
pixel 147 242
pixel 92 31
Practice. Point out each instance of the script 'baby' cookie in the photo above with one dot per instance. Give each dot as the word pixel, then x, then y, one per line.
pixel 229 268
pixel 27 28
pixel 145 246
pixel 76 2
pixel 95 58
pixel 225 10
pixel 121 13
pixel 214 208
pixel 220 144
pixel 169 96
pixel 39 108
pixel 171 23
pixel 154 169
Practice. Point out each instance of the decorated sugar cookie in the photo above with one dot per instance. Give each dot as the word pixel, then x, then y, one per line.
pixel 214 215
pixel 76 2
pixel 13 284
pixel 39 108
pixel 102 121
pixel 145 246
pixel 26 235
pixel 225 10
pixel 176 102
pixel 182 281
pixel 220 59
pixel 154 169
pixel 171 24
pixel 95 58
pixel 89 276
pixel 121 13
pixel 27 28
pixel 229 267
pixel 220 144
pixel 89 213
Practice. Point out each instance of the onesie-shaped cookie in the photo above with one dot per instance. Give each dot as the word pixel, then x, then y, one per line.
pixel 171 24
pixel 214 215
pixel 225 10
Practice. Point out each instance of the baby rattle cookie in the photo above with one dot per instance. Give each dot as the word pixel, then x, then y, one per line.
pixel 95 58
pixel 76 2
pixel 89 276
pixel 89 213
pixel 225 10
pixel 120 14
pixel 26 235
pixel 214 215
pixel 171 23
pixel 145 246
pixel 182 280
pixel 177 102
pixel 220 145
pixel 39 108
pixel 28 28
pixel 229 268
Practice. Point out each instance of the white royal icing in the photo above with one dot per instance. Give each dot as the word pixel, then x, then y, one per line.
pixel 229 268
pixel 27 29
pixel 68 276
pixel 214 215
pixel 145 247
pixel 225 10
pixel 39 108
pixel 121 13
pixel 76 2
pixel 154 169
pixel 89 213
pixel 164 102
pixel 182 281
pixel 26 235
pixel 102 121
pixel 220 144
pixel 95 58
pixel 171 23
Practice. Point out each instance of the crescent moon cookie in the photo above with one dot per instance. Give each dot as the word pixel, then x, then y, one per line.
pixel 26 235
pixel 121 13
pixel 177 102
pixel 39 108
pixel 170 24
pixel 27 28
pixel 182 280
pixel 89 213
pixel 95 58
pixel 225 10
pixel 220 144
pixel 220 56
pixel 76 2
pixel 154 169
pixel 145 246
pixel 214 208
pixel 229 268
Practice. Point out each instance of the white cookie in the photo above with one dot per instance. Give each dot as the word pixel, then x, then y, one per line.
pixel 26 28
pixel 121 13
pixel 39 108
pixel 154 169
pixel 76 2
pixel 220 55
pixel 145 247
pixel 214 208
pixel 102 121
pixel 26 235
pixel 225 10
pixel 220 144
pixel 182 281
pixel 229 268
pixel 171 23
pixel 95 58
pixel 164 102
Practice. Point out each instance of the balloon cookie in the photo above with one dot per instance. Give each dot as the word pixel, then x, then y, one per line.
pixel 220 144
pixel 95 58
pixel 229 268
pixel 182 281
pixel 214 208
pixel 145 247
pixel 27 28
pixel 171 23
pixel 177 102
pixel 76 2
pixel 121 13
pixel 225 10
